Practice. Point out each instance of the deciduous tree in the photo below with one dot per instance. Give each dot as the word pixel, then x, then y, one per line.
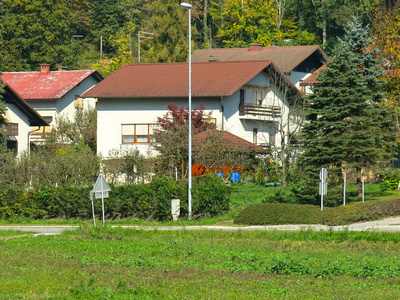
pixel 172 137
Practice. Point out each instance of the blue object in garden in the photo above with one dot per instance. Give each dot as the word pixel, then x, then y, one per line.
pixel 235 177
pixel 220 174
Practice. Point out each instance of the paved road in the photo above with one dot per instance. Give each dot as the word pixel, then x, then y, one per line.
pixel 385 225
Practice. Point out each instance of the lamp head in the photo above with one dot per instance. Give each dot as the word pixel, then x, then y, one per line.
pixel 186 5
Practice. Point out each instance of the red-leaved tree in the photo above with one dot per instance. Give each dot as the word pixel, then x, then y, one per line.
pixel 172 137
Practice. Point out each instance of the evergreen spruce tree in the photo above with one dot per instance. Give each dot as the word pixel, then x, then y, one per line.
pixel 346 127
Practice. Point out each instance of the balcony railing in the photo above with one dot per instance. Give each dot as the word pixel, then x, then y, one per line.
pixel 11 129
pixel 259 112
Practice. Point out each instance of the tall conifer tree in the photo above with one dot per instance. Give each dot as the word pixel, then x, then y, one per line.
pixel 347 127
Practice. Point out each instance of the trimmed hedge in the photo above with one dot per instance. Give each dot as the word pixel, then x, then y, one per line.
pixel 142 201
pixel 279 213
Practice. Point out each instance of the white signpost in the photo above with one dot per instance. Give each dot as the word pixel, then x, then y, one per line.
pixel 100 190
pixel 323 185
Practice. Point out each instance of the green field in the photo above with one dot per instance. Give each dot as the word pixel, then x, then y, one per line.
pixel 114 263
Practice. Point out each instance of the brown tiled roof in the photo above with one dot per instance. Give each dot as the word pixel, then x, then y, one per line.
pixel 171 79
pixel 285 58
pixel 230 141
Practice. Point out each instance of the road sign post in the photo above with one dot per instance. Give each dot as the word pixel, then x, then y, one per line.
pixel 100 190
pixel 323 185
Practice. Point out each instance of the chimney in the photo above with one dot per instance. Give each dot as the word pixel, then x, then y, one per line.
pixel 44 68
pixel 60 68
pixel 255 47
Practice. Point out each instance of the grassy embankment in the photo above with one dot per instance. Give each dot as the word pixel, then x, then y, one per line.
pixel 105 263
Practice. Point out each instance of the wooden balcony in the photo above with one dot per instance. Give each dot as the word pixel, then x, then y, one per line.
pixel 11 129
pixel 259 112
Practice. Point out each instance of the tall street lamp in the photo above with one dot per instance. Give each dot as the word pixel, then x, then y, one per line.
pixel 189 7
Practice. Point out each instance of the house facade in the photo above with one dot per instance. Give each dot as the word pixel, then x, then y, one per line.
pixel 54 93
pixel 297 62
pixel 249 99
pixel 21 117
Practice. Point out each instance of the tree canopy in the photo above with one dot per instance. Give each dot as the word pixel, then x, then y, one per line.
pixel 347 126
pixel 79 34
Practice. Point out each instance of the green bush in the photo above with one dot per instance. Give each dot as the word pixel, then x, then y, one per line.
pixel 133 200
pixel 282 195
pixel 210 196
pixel 165 190
pixel 278 213
pixel 15 203
pixel 143 201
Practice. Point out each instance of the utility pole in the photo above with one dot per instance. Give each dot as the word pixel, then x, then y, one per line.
pixel 143 35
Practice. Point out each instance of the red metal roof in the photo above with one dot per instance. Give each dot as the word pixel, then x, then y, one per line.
pixel 229 140
pixel 50 85
pixel 11 96
pixel 286 58
pixel 171 79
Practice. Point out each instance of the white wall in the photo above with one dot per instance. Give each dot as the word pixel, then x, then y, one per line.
pixel 111 113
pixel 17 116
pixel 296 77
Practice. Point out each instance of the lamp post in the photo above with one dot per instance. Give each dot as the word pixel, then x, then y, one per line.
pixel 189 7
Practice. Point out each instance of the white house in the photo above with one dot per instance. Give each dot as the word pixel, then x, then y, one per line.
pixel 297 62
pixel 21 117
pixel 54 93
pixel 247 98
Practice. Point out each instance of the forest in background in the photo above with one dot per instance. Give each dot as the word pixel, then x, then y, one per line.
pixel 103 34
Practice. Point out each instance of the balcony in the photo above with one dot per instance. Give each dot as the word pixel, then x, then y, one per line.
pixel 259 112
pixel 11 129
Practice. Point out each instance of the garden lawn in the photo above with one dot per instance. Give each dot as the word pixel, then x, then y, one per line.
pixel 115 263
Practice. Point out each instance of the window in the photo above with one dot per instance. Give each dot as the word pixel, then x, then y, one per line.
pixel 258 97
pixel 272 139
pixel 255 131
pixel 137 133
pixel 47 129
pixel 241 97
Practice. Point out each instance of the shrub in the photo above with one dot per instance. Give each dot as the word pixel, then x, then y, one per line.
pixel 278 213
pixel 210 195
pixel 282 195
pixel 165 190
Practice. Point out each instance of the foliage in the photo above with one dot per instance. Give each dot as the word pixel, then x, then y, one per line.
pixel 172 137
pixel 211 196
pixel 168 22
pixel 347 127
pixel 130 164
pixel 280 213
pixel 390 180
pixel 81 130
pixel 387 39
pixel 246 22
pixel 218 154
pixel 142 201
pixel 106 66
pixel 49 166
pixel 165 190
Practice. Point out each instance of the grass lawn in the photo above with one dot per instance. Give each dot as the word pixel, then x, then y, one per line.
pixel 114 263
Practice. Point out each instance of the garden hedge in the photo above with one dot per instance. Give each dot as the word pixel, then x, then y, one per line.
pixel 279 213
pixel 142 201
